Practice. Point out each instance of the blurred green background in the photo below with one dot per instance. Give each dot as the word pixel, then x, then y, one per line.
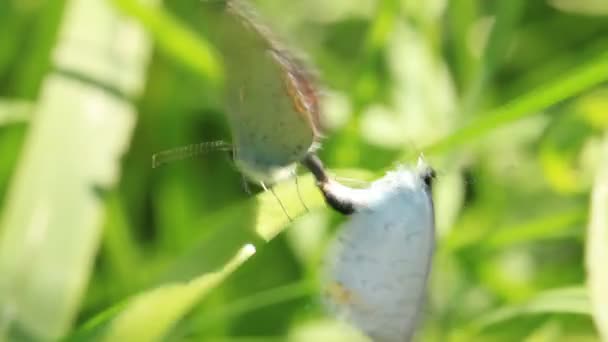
pixel 507 99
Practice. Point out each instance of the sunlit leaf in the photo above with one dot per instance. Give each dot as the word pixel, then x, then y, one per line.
pixel 51 224
pixel 565 86
pixel 271 217
pixel 150 315
pixel 14 111
pixel 559 151
pixel 227 238
pixel 325 330
pixel 587 7
pixel 597 246
pixel 593 108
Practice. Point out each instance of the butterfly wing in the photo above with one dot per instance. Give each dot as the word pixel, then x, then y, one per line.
pixel 381 258
pixel 271 101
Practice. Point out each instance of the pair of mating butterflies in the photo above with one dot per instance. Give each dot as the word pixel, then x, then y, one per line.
pixel 377 268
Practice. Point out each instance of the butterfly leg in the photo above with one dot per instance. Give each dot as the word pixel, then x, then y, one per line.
pixel 245 185
pixel 299 194
pixel 278 200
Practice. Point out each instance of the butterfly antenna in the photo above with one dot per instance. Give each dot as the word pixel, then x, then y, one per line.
pixel 189 151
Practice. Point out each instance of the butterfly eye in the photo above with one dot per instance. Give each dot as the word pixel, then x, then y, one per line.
pixel 428 176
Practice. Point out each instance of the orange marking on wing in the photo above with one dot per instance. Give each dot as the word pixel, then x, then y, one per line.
pixel 301 90
pixel 340 294
pixel 296 97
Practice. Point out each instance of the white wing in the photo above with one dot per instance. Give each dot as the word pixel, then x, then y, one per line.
pixel 377 268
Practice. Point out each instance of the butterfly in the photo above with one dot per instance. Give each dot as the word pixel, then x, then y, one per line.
pixel 271 100
pixel 377 267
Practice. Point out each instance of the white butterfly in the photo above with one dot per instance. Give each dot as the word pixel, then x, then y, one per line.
pixel 376 269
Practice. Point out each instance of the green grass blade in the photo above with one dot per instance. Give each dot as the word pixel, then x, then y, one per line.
pixel 122 253
pixel 175 39
pixel 597 246
pixel 37 58
pixel 507 16
pixel 149 316
pixel 51 224
pixel 566 86
pixel 554 226
pixel 269 222
pixel 271 219
pixel 14 111
pixel 572 300
pixel 257 301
